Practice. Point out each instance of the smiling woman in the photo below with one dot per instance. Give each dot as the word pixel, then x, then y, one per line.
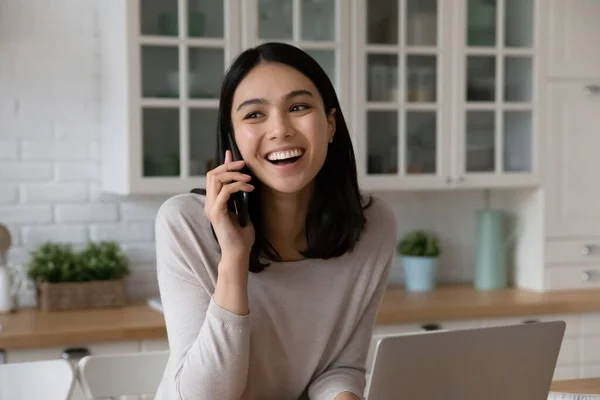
pixel 283 307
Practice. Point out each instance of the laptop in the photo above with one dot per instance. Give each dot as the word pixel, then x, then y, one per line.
pixel 513 362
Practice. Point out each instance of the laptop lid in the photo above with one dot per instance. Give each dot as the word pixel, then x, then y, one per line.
pixel 514 362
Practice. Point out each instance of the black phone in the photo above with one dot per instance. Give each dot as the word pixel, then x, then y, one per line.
pixel 238 202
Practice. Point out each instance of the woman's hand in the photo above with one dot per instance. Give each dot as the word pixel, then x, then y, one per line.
pixel 221 182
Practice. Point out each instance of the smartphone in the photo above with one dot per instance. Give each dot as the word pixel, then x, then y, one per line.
pixel 238 202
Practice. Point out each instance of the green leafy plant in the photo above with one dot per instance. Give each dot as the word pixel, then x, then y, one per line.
pixel 56 262
pixel 419 244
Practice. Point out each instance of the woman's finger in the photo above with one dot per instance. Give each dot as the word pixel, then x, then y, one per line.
pixel 228 190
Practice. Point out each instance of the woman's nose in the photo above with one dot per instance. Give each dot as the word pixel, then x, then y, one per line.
pixel 280 127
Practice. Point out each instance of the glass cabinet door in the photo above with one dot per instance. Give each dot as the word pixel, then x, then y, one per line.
pixel 317 26
pixel 400 62
pixel 184 49
pixel 497 96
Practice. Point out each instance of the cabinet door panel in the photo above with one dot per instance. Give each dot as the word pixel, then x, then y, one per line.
pixel 573 163
pixel 573 36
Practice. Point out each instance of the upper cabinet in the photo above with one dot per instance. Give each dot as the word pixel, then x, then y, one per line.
pixel 446 93
pixel 437 94
pixel 573 32
pixel 163 63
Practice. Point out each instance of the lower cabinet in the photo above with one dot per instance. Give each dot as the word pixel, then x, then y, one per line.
pixel 75 353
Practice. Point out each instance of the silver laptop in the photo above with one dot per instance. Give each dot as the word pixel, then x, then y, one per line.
pixel 513 362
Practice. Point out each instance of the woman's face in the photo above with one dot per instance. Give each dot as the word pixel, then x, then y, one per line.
pixel 280 126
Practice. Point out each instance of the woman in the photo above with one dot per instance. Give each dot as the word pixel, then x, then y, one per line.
pixel 284 307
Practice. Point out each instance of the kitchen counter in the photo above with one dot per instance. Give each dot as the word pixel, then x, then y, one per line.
pixel 464 302
pixel 580 386
pixel 32 328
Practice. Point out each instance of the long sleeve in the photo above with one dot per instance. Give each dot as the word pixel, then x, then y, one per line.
pixel 348 371
pixel 209 346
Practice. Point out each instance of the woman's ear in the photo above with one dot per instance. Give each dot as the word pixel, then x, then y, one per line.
pixel 331 124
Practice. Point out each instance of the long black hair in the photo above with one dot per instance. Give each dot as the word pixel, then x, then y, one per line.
pixel 335 219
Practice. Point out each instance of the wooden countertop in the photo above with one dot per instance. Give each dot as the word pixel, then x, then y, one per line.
pixel 464 302
pixel 580 386
pixel 32 328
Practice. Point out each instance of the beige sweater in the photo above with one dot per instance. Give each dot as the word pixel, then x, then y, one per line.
pixel 310 321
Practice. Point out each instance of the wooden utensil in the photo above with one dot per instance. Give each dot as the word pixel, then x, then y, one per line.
pixel 5 243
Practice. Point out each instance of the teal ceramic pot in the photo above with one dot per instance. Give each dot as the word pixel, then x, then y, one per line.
pixel 420 273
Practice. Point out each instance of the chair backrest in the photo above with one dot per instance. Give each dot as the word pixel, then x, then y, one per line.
pixel 107 376
pixel 49 380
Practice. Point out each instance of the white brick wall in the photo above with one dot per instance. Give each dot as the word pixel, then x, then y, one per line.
pixel 50 155
pixel 49 138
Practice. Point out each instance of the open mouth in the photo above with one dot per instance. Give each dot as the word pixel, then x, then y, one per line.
pixel 285 157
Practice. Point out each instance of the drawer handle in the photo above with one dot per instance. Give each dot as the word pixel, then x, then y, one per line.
pixel 588 275
pixel 75 353
pixel 431 327
pixel 586 250
pixel 592 89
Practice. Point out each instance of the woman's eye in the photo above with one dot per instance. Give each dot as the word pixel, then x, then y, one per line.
pixel 252 115
pixel 299 107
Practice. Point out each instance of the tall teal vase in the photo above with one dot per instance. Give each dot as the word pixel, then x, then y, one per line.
pixel 490 267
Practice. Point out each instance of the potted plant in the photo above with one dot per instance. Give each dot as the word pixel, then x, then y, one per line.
pixel 90 278
pixel 420 251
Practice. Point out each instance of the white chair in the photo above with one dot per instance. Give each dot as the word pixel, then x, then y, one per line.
pixel 49 380
pixel 111 376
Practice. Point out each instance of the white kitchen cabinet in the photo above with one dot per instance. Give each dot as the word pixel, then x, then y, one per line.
pixel 574 32
pixel 160 90
pixel 573 188
pixel 51 353
pixel 437 94
pixel 446 93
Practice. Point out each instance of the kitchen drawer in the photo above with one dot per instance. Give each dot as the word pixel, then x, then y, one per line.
pixel 565 277
pixel 51 353
pixel 573 251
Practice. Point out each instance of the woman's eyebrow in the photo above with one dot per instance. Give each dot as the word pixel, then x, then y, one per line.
pixel 290 95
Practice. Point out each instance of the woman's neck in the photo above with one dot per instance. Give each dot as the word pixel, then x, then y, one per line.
pixel 284 221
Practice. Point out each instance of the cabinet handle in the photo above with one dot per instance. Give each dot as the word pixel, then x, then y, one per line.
pixel 586 250
pixel 448 180
pixel 431 327
pixel 461 179
pixel 75 353
pixel 588 275
pixel 592 89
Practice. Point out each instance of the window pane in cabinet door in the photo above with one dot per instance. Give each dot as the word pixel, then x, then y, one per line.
pixel 160 71
pixel 159 17
pixel 481 78
pixel 382 21
pixel 382 78
pixel 382 142
pixel 421 24
pixel 481 23
pixel 206 18
pixel 421 142
pixel 203 141
pixel 480 141
pixel 207 69
pixel 517 147
pixel 160 140
pixel 421 77
pixel 326 59
pixel 519 79
pixel 318 20
pixel 518 23
pixel 275 20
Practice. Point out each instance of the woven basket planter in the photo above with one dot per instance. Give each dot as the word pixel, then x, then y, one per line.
pixel 81 295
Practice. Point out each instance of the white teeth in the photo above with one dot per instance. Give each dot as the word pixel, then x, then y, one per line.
pixel 284 155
